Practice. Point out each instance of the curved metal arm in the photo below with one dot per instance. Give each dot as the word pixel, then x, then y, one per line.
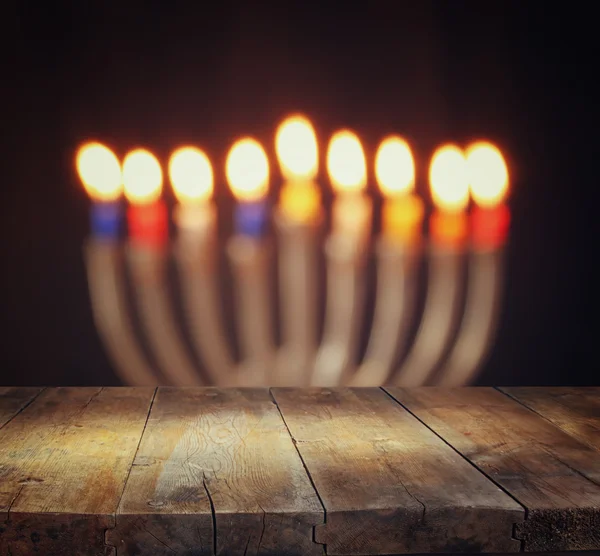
pixel 439 318
pixel 249 259
pixel 343 314
pixel 298 300
pixel 105 279
pixel 394 308
pixel 479 321
pixel 148 272
pixel 197 276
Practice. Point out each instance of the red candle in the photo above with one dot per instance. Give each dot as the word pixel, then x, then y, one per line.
pixel 488 179
pixel 147 216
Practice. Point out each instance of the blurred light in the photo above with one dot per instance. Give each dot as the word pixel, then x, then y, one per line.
pixel 395 167
pixel 296 148
pixel 100 172
pixel 247 170
pixel 142 177
pixel 346 162
pixel 191 175
pixel 487 173
pixel 448 179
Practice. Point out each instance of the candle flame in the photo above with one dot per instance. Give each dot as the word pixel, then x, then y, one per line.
pixel 448 179
pixel 488 174
pixel 99 171
pixel 296 148
pixel 191 175
pixel 142 177
pixel 247 170
pixel 346 163
pixel 395 167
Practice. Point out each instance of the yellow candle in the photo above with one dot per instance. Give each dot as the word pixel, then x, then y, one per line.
pixel 402 213
pixel 347 169
pixel 450 193
pixel 297 152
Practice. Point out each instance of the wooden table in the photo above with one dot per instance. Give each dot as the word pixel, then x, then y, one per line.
pixel 298 471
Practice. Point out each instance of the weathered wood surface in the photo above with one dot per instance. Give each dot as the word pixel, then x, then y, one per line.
pixel 64 461
pixel 388 484
pixel 556 477
pixel 217 458
pixel 574 410
pixel 13 400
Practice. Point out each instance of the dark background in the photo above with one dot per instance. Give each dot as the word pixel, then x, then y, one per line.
pixel 159 74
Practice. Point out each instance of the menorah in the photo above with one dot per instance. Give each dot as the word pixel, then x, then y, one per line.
pixel 457 324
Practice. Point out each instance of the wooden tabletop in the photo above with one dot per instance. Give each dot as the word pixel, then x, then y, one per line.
pixel 204 471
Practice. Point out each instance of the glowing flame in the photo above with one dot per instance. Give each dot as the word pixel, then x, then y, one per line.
pixel 297 150
pixel 448 179
pixel 100 172
pixel 142 177
pixel 247 170
pixel 395 167
pixel 346 163
pixel 191 175
pixel 488 174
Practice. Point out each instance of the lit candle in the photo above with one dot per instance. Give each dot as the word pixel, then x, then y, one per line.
pixel 488 179
pixel 100 172
pixel 346 166
pixel 191 176
pixel 147 213
pixel 297 152
pixel 402 214
pixel 247 170
pixel 450 193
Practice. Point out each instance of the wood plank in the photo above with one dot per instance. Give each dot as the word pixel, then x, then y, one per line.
pixel 556 477
pixel 574 410
pixel 388 484
pixel 13 400
pixel 223 457
pixel 64 461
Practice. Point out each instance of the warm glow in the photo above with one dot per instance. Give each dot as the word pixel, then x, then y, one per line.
pixel 142 177
pixel 247 170
pixel 191 175
pixel 448 179
pixel 100 172
pixel 395 167
pixel 488 174
pixel 296 147
pixel 346 162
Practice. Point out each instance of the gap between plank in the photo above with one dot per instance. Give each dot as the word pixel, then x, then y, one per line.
pixel 468 461
pixel 35 397
pixel 303 465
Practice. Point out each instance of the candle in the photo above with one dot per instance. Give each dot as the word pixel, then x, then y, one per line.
pixel 100 172
pixel 346 166
pixel 488 179
pixel 191 176
pixel 402 213
pixel 450 193
pixel 247 170
pixel 297 152
pixel 147 213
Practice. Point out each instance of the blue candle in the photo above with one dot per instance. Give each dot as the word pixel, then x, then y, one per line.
pixel 247 170
pixel 100 173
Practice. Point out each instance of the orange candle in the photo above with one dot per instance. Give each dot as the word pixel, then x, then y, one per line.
pixel 448 226
pixel 488 181
pixel 298 155
pixel 147 214
pixel 402 213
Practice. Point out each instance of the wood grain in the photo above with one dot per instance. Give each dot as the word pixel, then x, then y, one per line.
pixel 556 477
pixel 388 484
pixel 224 457
pixel 63 465
pixel 574 410
pixel 13 400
